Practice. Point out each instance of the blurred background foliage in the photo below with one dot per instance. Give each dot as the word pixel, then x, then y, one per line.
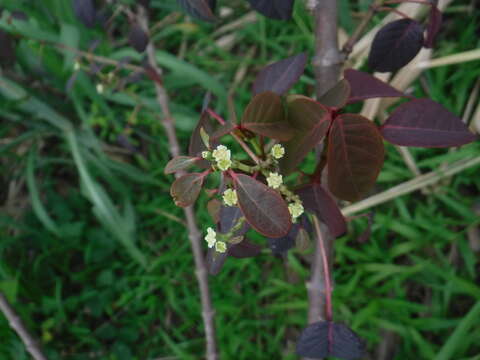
pixel 94 255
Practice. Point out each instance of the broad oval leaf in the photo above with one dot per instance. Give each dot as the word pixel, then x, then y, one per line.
pixel 425 123
pixel 325 338
pixel 263 207
pixel 318 201
pixel 200 9
pixel 281 245
pixel 275 9
pixel 355 156
pixel 244 249
pixel 395 45
pixel 137 38
pixel 85 12
pixel 280 76
pixel 265 116
pixel 434 24
pixel 337 96
pixel 365 86
pixel 179 163
pixel 185 189
pixel 229 216
pixel 310 120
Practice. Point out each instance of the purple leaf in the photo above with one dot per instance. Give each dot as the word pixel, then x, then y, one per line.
pixel 355 156
pixel 395 45
pixel 280 76
pixel 275 9
pixel 200 9
pixel 263 207
pixel 244 249
pixel 179 163
pixel 281 245
pixel 265 116
pixel 137 38
pixel 310 120
pixel 365 86
pixel 215 261
pixel 229 216
pixel 318 201
pixel 324 338
pixel 186 189
pixel 85 12
pixel 434 24
pixel 425 123
pixel 337 96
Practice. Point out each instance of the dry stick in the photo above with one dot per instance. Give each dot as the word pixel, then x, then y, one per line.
pixel 194 233
pixel 16 324
pixel 411 185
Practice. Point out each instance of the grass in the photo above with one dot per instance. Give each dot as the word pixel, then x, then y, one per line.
pixel 93 256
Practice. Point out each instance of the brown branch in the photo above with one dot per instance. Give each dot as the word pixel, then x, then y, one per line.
pixel 17 325
pixel 194 233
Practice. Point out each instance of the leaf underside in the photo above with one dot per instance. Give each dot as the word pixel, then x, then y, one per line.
pixel 395 45
pixel 275 9
pixel 280 76
pixel 185 189
pixel 425 123
pixel 244 249
pixel 263 207
pixel 355 156
pixel 324 338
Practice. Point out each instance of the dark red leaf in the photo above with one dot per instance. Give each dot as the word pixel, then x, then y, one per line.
pixel 395 45
pixel 324 338
pixel 310 120
pixel 85 12
pixel 7 52
pixel 365 86
pixel 265 116
pixel 180 163
pixel 275 9
pixel 244 249
pixel 185 189
pixel 280 76
pixel 213 207
pixel 215 261
pixel 425 123
pixel 137 38
pixel 200 9
pixel 281 245
pixel 337 96
pixel 263 207
pixel 434 24
pixel 318 201
pixel 355 156
pixel 229 216
pixel 225 129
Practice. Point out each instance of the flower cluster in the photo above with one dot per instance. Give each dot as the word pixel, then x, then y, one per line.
pixel 223 157
pixel 211 239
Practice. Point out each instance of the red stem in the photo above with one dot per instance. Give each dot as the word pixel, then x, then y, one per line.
pixel 216 116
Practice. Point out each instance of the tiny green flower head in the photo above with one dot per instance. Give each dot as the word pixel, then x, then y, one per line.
pixel 274 180
pixel 100 88
pixel 221 246
pixel 205 154
pixel 76 66
pixel 221 153
pixel 211 237
pixel 230 197
pixel 224 164
pixel 277 151
pixel 296 209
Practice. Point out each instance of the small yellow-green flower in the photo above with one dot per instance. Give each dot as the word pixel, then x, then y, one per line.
pixel 277 151
pixel 205 154
pixel 221 153
pixel 274 180
pixel 230 197
pixel 211 237
pixel 76 66
pixel 100 88
pixel 224 164
pixel 296 209
pixel 220 246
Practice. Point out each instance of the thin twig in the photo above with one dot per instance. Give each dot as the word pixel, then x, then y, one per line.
pixel 194 234
pixel 411 185
pixel 17 325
